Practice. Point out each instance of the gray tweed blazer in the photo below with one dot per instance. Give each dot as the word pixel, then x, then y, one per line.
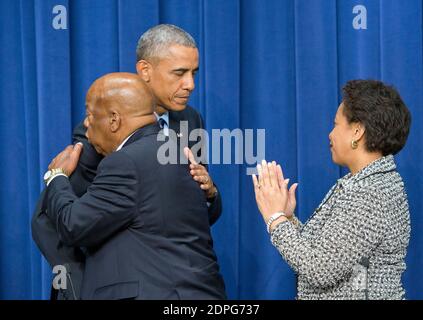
pixel 354 244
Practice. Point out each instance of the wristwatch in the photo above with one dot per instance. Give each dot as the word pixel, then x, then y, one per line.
pixel 52 173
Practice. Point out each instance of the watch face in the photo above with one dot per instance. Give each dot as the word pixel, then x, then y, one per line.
pixel 47 175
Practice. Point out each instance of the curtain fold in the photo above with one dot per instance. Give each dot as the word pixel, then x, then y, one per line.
pixel 273 65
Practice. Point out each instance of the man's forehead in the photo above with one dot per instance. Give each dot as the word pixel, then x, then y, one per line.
pixel 95 91
pixel 90 101
pixel 177 54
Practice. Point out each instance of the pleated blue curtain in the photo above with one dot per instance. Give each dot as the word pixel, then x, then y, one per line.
pixel 277 65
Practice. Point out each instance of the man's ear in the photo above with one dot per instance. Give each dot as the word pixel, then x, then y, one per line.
pixel 114 121
pixel 144 70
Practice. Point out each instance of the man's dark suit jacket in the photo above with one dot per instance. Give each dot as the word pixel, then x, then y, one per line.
pixel 43 230
pixel 145 227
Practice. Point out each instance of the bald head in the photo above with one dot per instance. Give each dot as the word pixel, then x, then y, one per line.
pixel 122 91
pixel 117 104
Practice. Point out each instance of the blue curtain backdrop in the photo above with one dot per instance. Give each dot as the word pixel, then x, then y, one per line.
pixel 277 65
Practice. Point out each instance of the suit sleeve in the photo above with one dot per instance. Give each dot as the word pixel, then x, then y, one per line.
pixel 215 208
pixel 215 205
pixel 44 233
pixel 108 206
pixel 43 230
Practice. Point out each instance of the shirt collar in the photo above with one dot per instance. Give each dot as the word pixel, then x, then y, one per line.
pixel 164 116
pixel 124 141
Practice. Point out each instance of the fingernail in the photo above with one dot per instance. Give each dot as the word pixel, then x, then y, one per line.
pixel 287 181
pixel 258 167
pixel 263 162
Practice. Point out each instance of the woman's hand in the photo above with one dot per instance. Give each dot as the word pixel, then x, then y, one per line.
pixel 271 190
pixel 292 201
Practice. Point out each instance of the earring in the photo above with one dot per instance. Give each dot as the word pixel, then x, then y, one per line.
pixel 354 144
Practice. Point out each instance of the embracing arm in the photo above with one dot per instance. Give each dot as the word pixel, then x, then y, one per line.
pixel 108 206
pixel 43 229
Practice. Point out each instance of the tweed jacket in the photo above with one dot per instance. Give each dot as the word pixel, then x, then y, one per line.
pixel 354 244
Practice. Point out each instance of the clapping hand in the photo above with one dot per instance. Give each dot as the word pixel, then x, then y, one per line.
pixel 271 191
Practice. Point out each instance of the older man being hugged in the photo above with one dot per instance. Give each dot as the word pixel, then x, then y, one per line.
pixel 144 225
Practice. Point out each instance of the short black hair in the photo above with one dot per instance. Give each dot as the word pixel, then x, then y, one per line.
pixel 158 38
pixel 381 110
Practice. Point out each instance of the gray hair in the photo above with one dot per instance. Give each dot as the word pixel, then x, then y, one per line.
pixel 160 37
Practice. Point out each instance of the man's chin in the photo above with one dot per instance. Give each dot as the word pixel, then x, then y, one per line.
pixel 173 107
pixel 100 151
pixel 179 107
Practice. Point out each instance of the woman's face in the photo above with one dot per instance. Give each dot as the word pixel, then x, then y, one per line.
pixel 340 138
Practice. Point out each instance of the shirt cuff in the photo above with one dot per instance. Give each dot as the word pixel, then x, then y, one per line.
pixel 56 175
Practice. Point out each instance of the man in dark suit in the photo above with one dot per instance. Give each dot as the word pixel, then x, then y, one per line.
pixel 167 60
pixel 144 226
pixel 171 80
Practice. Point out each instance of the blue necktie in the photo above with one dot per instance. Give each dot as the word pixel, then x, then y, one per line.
pixel 163 124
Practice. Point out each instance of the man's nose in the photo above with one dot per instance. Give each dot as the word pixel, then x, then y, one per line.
pixel 86 126
pixel 86 122
pixel 189 83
